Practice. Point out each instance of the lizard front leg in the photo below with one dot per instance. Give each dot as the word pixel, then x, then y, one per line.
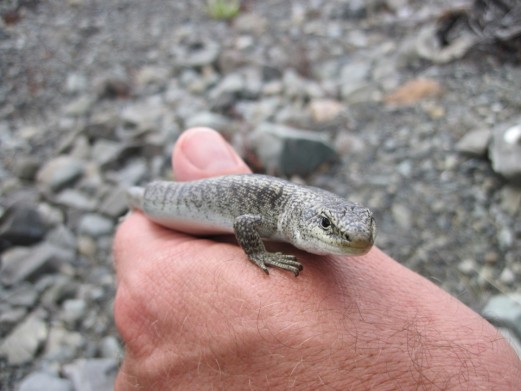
pixel 246 228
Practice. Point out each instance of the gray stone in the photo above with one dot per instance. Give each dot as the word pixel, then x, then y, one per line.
pixel 55 288
pixel 51 215
pixel 63 345
pixel 60 172
pixel 197 54
pixel 111 348
pixel 511 198
pixel 38 381
pixel 290 151
pixel 102 125
pixel 132 173
pixel 427 46
pixel 210 120
pixel 9 317
pixel 105 152
pixel 505 310
pixel 21 345
pixel 73 310
pixel 27 264
pixel 63 237
pixel 114 204
pixel 505 151
pixel 95 225
pixel 93 374
pixel 143 116
pixel 22 225
pixel 74 198
pixel 79 106
pixel 26 167
pixel 23 295
pixel 475 142
pixel 402 215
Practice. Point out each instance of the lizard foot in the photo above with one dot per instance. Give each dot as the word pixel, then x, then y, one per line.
pixel 280 260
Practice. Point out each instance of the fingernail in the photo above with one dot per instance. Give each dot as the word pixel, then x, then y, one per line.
pixel 207 150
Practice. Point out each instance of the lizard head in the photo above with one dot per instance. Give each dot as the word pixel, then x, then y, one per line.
pixel 335 226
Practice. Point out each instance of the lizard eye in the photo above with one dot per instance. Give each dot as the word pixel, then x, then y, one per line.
pixel 325 222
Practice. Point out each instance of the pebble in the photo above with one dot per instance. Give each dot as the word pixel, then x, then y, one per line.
pixel 95 225
pixel 210 120
pixel 21 345
pixel 92 374
pixel 73 198
pixel 63 345
pixel 475 142
pixel 325 110
pixel 38 381
pixel 22 225
pixel 290 151
pixel 27 264
pixel 60 172
pixel 505 151
pixel 505 310
pixel 73 311
pixel 114 204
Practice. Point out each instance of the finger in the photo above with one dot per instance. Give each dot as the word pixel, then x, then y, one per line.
pixel 202 153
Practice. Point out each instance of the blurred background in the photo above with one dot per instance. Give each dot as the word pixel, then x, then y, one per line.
pixel 411 108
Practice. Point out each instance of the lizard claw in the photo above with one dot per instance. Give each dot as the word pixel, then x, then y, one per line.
pixel 280 260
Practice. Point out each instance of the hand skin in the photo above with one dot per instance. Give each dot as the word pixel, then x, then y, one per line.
pixel 194 314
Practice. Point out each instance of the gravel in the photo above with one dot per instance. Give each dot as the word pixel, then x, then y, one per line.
pixel 94 94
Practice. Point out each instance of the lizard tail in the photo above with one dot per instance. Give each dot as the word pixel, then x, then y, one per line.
pixel 135 197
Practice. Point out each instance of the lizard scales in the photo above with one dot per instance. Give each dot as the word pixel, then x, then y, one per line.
pixel 259 206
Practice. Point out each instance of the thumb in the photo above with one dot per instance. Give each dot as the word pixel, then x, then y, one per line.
pixel 202 153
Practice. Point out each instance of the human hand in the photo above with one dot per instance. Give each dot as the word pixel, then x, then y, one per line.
pixel 195 314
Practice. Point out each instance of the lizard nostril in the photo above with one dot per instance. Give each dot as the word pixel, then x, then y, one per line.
pixel 348 238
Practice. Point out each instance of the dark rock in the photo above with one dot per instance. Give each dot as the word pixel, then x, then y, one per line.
pixel 290 151
pixel 22 225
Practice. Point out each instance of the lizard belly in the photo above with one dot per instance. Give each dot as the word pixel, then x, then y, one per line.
pixel 190 226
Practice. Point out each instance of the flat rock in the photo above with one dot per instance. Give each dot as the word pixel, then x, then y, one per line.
pixel 21 345
pixel 60 172
pixel 505 151
pixel 76 199
pixel 475 142
pixel 114 204
pixel 92 374
pixel 95 225
pixel 21 264
pixel 38 381
pixel 290 151
pixel 210 120
pixel 505 310
pixel 22 225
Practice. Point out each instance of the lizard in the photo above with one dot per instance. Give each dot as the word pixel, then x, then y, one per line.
pixel 257 207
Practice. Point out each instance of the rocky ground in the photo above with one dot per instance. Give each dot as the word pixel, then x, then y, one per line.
pixel 94 94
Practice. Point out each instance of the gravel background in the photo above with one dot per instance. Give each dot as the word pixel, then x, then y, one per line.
pixel 136 74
